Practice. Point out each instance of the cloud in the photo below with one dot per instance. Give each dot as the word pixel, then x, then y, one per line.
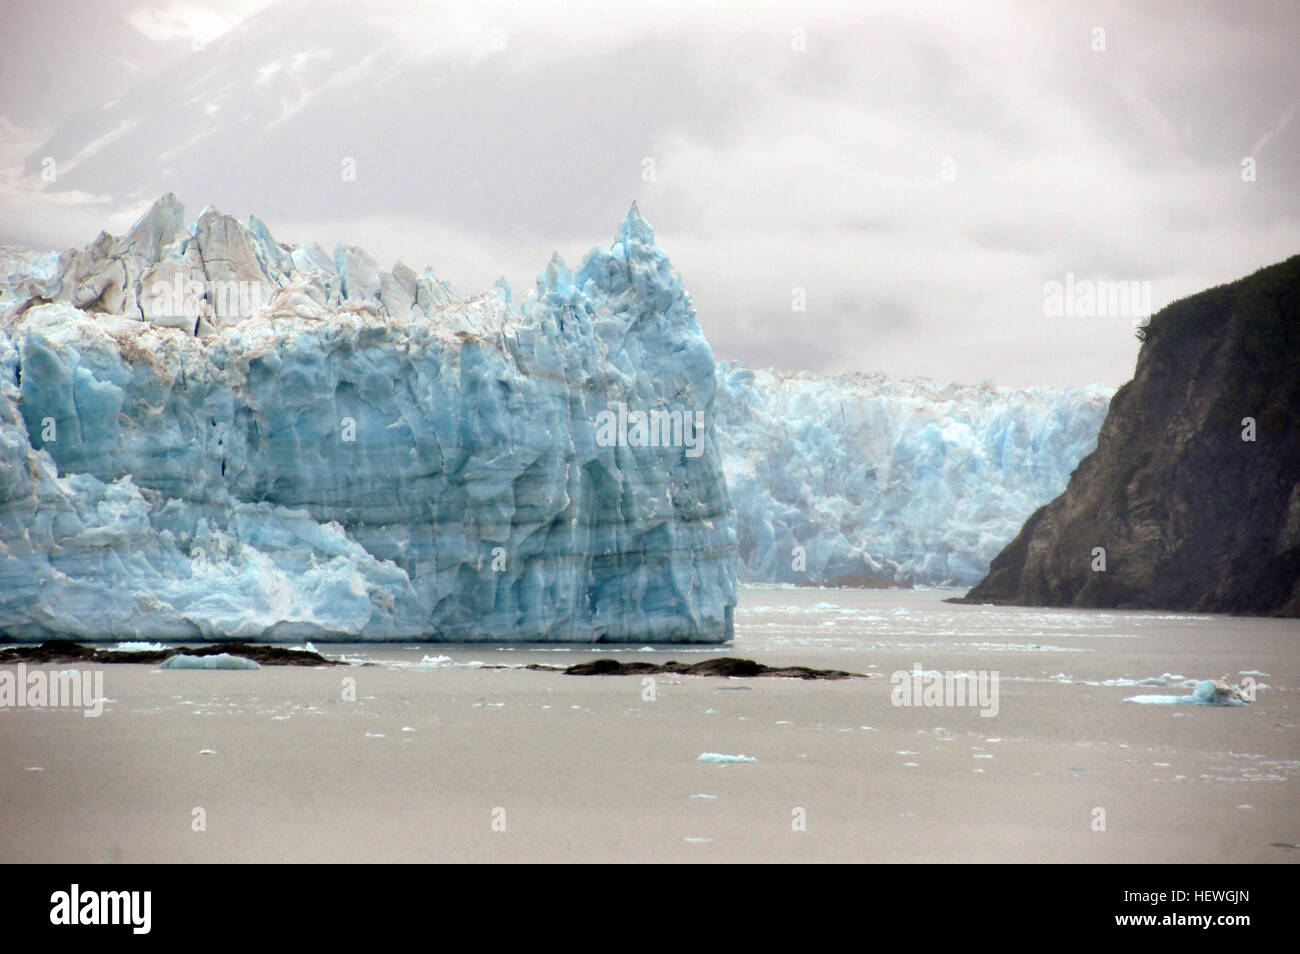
pixel 918 169
pixel 198 23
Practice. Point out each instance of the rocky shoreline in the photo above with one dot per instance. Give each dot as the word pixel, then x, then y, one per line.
pixel 68 651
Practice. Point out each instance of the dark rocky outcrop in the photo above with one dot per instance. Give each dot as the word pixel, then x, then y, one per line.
pixel 1190 514
pixel 67 650
pixel 722 666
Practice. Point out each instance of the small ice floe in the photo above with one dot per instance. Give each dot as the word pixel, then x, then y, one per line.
pixel 1208 692
pixel 407 728
pixel 434 662
pixel 1166 680
pixel 136 647
pixel 710 797
pixel 720 757
pixel 40 768
pixel 218 661
pixel 207 751
pixel 699 841
pixel 375 735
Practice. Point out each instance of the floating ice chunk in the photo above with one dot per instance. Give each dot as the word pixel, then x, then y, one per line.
pixel 1167 680
pixel 434 662
pixel 137 647
pixel 710 797
pixel 719 757
pixel 219 661
pixel 1207 693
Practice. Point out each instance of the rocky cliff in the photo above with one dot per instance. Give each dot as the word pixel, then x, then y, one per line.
pixel 1192 498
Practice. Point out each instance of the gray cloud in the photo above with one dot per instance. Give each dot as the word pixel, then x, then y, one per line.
pixel 486 135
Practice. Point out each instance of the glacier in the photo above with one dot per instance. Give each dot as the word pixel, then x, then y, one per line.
pixel 911 481
pixel 207 434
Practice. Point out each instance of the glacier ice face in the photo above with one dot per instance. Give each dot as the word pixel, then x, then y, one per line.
pixel 205 434
pixel 912 481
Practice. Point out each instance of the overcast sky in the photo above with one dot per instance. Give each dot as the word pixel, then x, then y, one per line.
pixel 919 170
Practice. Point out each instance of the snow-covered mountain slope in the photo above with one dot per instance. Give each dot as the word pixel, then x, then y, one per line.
pixel 912 481
pixel 207 434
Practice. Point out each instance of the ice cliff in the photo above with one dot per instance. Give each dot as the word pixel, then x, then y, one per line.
pixel 913 481
pixel 207 434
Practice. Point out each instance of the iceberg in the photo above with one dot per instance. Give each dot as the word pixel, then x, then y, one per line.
pixel 910 481
pixel 206 434
pixel 216 661
pixel 724 758
pixel 1208 692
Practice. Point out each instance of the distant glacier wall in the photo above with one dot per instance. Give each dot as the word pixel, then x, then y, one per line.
pixel 913 481
pixel 205 434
